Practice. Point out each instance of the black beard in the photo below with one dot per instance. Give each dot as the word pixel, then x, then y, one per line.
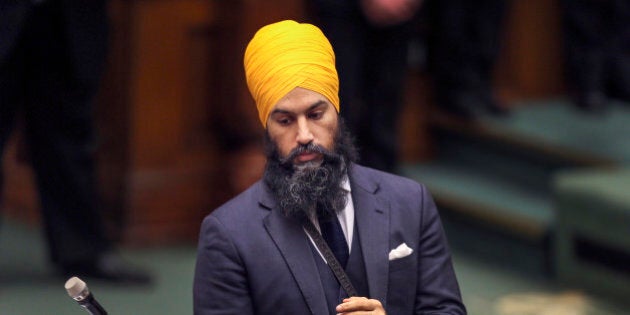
pixel 303 190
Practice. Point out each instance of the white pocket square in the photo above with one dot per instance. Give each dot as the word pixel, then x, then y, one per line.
pixel 399 252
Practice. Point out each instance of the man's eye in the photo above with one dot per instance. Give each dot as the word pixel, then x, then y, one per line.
pixel 284 121
pixel 316 115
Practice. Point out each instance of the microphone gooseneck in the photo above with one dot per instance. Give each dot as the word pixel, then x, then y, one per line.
pixel 78 291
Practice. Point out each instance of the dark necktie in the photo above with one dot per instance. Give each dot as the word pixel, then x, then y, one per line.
pixel 333 234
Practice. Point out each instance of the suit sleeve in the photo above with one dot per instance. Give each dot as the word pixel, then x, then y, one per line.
pixel 220 283
pixel 437 290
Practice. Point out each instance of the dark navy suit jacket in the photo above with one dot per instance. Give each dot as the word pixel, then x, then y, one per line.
pixel 254 260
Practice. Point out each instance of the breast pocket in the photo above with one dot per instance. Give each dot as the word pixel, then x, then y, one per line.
pixel 403 275
pixel 405 263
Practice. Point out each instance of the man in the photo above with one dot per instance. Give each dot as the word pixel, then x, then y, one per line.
pixel 52 54
pixel 255 256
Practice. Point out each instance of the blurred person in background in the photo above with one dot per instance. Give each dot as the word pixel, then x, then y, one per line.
pixel 371 40
pixel 463 42
pixel 52 54
pixel 597 51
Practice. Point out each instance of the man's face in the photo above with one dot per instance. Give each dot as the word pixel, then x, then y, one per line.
pixel 299 118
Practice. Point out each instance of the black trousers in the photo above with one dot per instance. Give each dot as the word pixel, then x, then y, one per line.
pixel 463 42
pixel 597 46
pixel 371 64
pixel 38 85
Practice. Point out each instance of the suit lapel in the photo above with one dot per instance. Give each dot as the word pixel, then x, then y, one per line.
pixel 293 244
pixel 372 216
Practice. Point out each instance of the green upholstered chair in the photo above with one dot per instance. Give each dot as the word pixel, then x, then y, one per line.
pixel 592 239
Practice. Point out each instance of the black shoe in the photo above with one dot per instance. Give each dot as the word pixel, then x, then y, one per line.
pixel 492 106
pixel 462 105
pixel 594 102
pixel 473 105
pixel 108 267
pixel 619 80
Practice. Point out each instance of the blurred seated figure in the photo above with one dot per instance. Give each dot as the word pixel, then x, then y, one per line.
pixel 597 51
pixel 51 58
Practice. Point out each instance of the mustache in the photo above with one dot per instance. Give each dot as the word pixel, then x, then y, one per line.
pixel 308 148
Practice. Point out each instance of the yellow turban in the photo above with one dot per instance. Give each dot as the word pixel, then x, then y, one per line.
pixel 285 55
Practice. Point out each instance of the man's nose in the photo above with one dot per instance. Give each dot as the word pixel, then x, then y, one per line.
pixel 304 134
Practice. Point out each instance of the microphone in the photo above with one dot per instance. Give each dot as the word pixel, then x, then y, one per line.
pixel 78 290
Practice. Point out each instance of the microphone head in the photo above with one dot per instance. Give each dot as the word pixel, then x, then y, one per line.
pixel 76 288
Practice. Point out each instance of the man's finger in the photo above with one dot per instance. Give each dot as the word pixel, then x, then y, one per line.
pixel 354 304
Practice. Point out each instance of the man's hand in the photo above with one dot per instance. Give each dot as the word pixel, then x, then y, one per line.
pixel 360 305
pixel 389 12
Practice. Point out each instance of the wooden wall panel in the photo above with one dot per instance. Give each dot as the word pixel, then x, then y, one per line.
pixel 530 63
pixel 163 68
pixel 18 198
pixel 172 160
